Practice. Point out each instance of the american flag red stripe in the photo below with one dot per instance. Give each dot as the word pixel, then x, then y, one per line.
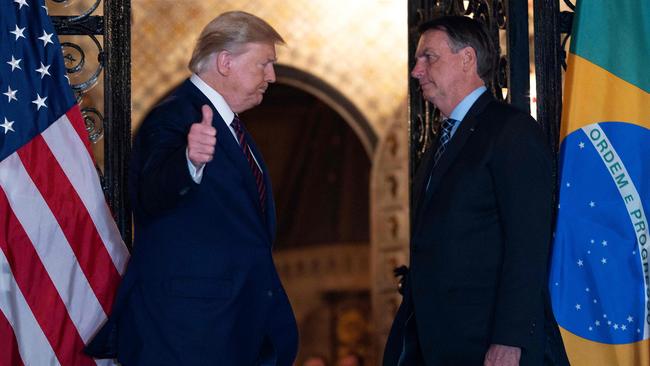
pixel 72 217
pixel 36 176
pixel 39 291
pixel 67 140
pixel 33 346
pixel 10 357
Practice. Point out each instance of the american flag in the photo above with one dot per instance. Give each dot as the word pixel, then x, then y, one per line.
pixel 61 255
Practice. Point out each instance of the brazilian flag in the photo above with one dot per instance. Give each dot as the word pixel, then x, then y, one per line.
pixel 599 277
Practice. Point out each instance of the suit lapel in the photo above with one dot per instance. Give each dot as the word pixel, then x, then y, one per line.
pixel 228 145
pixel 455 146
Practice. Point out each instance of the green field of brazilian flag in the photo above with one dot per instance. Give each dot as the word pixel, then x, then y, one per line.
pixel 599 278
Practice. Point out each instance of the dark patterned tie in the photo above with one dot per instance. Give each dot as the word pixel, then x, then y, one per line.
pixel 257 173
pixel 445 137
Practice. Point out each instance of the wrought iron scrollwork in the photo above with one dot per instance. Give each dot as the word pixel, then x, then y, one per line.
pixel 566 25
pixel 83 14
pixel 570 5
pixel 75 60
pixel 75 56
pixel 109 36
pixel 500 88
pixel 94 122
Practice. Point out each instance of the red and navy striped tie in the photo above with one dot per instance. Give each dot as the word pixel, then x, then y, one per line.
pixel 257 173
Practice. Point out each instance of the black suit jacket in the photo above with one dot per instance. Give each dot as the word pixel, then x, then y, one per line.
pixel 480 241
pixel 201 287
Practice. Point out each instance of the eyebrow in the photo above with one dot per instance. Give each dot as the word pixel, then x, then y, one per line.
pixel 425 51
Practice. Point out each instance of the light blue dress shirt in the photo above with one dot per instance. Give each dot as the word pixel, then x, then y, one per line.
pixel 463 107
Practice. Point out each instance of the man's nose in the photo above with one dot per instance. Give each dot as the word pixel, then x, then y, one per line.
pixel 417 71
pixel 270 74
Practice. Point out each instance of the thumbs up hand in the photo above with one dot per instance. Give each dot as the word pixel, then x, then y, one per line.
pixel 202 139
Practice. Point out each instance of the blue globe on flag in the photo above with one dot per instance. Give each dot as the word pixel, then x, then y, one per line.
pixel 598 282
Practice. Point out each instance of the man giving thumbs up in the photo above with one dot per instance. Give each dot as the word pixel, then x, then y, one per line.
pixel 201 288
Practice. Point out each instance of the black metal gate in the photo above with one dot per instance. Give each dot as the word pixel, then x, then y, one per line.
pixel 114 62
pixel 508 19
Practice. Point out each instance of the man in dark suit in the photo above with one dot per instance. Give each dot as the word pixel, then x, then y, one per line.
pixel 201 287
pixel 476 289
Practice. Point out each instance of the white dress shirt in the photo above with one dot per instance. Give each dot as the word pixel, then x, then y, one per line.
pixel 226 114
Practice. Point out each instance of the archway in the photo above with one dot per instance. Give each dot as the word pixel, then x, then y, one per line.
pixel 318 148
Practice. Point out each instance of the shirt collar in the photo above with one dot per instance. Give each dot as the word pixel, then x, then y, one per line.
pixel 463 107
pixel 215 98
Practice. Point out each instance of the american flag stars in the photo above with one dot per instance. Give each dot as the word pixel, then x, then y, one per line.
pixel 18 32
pixel 43 70
pixel 7 126
pixel 39 101
pixel 46 38
pixel 11 94
pixel 21 3
pixel 15 64
pixel 21 32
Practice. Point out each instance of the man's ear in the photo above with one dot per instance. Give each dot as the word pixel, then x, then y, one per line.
pixel 468 58
pixel 224 62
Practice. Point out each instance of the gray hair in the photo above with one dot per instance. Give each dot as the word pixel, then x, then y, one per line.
pixel 230 31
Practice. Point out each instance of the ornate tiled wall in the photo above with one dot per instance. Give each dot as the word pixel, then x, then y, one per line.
pixel 358 47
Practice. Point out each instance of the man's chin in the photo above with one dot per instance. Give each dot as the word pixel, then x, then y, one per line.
pixel 429 96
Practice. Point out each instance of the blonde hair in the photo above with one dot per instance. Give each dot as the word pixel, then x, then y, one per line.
pixel 229 31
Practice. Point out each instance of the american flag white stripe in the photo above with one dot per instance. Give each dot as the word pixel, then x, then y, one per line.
pixel 70 151
pixel 52 247
pixel 32 344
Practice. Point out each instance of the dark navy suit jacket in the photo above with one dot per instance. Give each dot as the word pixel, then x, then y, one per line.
pixel 201 287
pixel 479 244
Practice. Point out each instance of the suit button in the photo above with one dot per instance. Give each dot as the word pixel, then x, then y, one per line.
pixel 269 293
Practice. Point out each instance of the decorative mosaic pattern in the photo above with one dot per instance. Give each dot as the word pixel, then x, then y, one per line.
pixel 359 47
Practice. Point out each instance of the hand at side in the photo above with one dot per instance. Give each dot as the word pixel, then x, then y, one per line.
pixel 500 355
